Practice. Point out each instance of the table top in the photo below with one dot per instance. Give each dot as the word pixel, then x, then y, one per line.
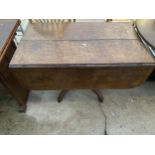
pixel 7 29
pixel 146 28
pixel 79 31
pixel 80 45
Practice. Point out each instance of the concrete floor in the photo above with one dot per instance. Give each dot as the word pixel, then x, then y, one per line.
pixel 123 112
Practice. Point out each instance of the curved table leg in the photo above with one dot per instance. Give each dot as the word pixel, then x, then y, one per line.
pixel 62 94
pixel 96 91
pixel 99 94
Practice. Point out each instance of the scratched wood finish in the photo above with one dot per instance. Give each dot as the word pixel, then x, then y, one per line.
pixel 80 31
pixel 7 49
pixel 81 54
pixel 81 78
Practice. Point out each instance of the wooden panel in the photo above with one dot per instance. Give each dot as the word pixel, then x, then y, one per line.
pixel 7 78
pixel 82 78
pixel 80 31
pixel 81 54
pixel 13 86
pixel 7 29
pixel 10 51
pixel 7 49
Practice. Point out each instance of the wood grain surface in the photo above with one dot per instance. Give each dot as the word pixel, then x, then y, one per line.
pixel 81 56
pixel 81 78
pixel 92 53
pixel 7 29
pixel 80 31
pixel 7 48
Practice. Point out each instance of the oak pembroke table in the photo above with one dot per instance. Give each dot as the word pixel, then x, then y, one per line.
pixel 81 56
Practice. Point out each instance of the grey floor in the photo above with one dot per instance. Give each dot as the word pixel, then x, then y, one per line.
pixel 123 112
